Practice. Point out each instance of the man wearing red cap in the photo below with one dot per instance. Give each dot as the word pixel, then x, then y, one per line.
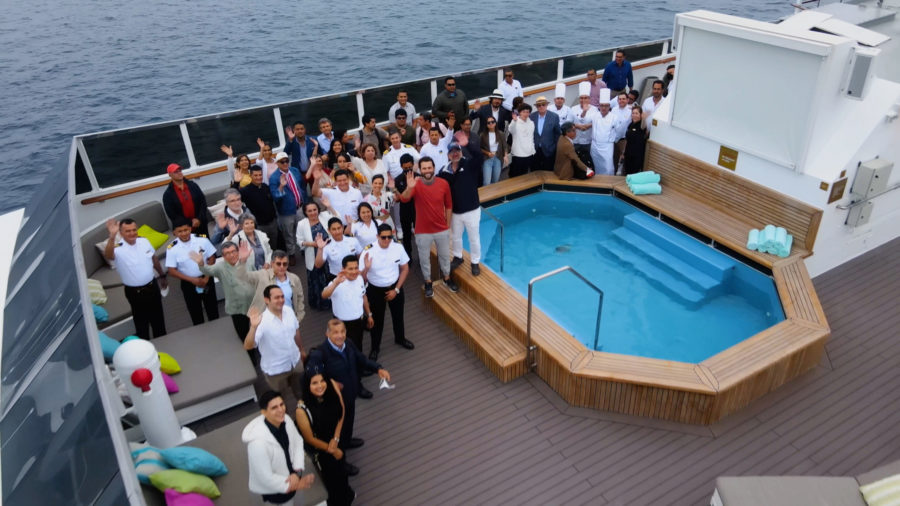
pixel 184 199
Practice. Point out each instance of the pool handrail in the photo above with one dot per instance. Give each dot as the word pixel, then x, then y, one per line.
pixel 491 215
pixel 531 348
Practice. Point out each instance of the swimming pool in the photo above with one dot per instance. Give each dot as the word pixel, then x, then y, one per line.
pixel 666 294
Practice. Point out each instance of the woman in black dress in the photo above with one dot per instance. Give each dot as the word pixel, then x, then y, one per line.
pixel 635 143
pixel 320 416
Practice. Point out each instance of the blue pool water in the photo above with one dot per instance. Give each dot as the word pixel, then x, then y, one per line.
pixel 666 295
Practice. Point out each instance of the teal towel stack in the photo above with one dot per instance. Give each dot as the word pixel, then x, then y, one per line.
pixel 771 239
pixel 644 183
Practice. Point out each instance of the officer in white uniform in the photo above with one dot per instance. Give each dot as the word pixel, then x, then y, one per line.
pixel 334 250
pixel 136 261
pixel 603 136
pixel 386 266
pixel 198 289
pixel 583 119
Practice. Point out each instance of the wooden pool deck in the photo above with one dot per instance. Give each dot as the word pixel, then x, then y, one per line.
pixel 452 433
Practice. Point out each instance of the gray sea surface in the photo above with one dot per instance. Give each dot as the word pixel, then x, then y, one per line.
pixel 70 68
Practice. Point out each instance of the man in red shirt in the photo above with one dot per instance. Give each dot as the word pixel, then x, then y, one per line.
pixel 433 207
pixel 184 199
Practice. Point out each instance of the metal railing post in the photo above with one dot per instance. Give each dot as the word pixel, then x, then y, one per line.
pixel 530 348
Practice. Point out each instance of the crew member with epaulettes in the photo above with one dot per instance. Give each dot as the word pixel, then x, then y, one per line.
pixel 199 290
pixel 385 267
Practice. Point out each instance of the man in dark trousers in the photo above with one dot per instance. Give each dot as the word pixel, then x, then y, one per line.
pixel 340 360
pixel 184 199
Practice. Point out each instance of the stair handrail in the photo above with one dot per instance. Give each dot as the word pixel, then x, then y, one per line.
pixel 530 347
pixel 491 215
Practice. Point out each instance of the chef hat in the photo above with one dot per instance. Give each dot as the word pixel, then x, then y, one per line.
pixel 560 90
pixel 584 89
pixel 604 95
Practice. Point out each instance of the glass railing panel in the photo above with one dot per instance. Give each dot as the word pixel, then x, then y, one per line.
pixel 239 131
pixel 578 65
pixel 644 52
pixel 530 74
pixel 378 101
pixel 131 155
pixel 340 109
pixel 480 84
pixel 82 183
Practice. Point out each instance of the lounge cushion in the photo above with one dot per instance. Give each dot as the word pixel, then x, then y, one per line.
pixel 185 482
pixel 171 386
pixel 167 364
pixel 147 461
pixel 884 492
pixel 788 491
pixel 116 306
pixel 109 346
pixel 96 292
pixel 176 498
pixel 157 239
pixel 101 248
pixel 195 460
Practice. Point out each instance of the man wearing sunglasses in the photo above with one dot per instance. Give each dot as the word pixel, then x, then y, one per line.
pixel 279 276
pixel 450 100
pixel 511 88
pixel 286 185
pixel 385 268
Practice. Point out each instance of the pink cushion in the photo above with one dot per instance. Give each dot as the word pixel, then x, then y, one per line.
pixel 171 386
pixel 176 498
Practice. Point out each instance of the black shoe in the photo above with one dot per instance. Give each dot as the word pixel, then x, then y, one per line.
pixel 429 290
pixel 351 469
pixel 406 343
pixel 476 270
pixel 456 262
pixel 451 285
pixel 354 443
pixel 373 355
pixel 364 393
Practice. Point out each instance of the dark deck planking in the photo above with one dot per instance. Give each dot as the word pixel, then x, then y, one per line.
pixel 451 433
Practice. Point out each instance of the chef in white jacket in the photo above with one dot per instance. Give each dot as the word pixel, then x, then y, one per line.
pixel 603 136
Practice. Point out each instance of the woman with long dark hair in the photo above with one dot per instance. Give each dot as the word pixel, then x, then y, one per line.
pixel 320 417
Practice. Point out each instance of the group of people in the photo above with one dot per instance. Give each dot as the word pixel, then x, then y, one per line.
pixel 351 207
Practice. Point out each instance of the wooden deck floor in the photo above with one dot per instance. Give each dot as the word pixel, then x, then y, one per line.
pixel 451 433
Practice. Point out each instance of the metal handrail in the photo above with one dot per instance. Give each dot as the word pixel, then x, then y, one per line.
pixel 863 200
pixel 531 348
pixel 491 215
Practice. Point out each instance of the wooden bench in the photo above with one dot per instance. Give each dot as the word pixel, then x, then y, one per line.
pixel 724 206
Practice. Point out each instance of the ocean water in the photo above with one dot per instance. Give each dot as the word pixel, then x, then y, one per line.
pixel 646 311
pixel 70 68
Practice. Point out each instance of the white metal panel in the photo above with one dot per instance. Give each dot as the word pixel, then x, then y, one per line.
pixel 862 35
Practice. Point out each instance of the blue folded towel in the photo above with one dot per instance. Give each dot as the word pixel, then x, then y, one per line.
pixel 780 236
pixel 642 177
pixel 785 251
pixel 767 236
pixel 645 188
pixel 753 239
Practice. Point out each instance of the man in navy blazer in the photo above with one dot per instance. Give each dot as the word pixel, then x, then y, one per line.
pixel 546 134
pixel 341 361
pixel 301 148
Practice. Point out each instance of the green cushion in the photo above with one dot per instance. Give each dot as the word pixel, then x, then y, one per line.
pixel 167 364
pixel 185 482
pixel 157 239
pixel 96 292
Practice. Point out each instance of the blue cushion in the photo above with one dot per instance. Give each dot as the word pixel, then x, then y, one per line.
pixel 100 314
pixel 195 460
pixel 147 461
pixel 108 345
pixel 129 338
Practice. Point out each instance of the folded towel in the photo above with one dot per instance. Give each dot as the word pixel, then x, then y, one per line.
pixel 780 236
pixel 767 236
pixel 642 177
pixel 785 251
pixel 753 239
pixel 645 189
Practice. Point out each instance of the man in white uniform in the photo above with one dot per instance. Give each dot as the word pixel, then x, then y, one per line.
pixel 603 135
pixel 511 88
pixel 386 266
pixel 344 199
pixel 583 119
pixel 392 156
pixel 136 262
pixel 436 149
pixel 335 249
pixel 652 102
pixel 277 335
pixel 198 289
pixel 621 111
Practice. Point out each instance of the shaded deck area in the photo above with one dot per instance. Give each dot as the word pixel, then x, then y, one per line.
pixel 452 433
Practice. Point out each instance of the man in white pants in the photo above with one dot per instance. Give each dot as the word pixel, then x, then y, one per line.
pixel 463 181
pixel 603 136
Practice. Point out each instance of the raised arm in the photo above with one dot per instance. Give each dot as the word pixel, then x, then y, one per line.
pixel 255 319
pixel 112 226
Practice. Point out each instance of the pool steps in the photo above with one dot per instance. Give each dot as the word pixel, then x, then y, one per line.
pixel 686 269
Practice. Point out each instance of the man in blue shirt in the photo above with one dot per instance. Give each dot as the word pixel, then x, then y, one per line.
pixel 301 149
pixel 617 74
pixel 286 186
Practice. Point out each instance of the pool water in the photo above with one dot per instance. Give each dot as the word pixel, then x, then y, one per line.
pixel 666 294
